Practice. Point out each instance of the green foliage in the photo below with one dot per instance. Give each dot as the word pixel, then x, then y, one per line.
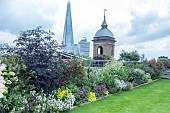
pixel 100 90
pixel 92 78
pixel 167 72
pixel 113 75
pixel 107 57
pixel 155 69
pixel 86 57
pixel 74 73
pixel 75 90
pixel 112 70
pixel 13 103
pixel 164 61
pixel 129 56
pixel 42 103
pixel 128 87
pixel 15 75
pixel 38 50
pixel 138 77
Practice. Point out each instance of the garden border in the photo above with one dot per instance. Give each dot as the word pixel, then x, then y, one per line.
pixel 113 94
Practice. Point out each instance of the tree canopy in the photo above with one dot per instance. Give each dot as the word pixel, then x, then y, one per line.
pixel 129 56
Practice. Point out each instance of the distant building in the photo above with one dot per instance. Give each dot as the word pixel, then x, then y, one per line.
pixel 103 41
pixel 163 57
pixel 84 47
pixel 68 39
pixel 142 58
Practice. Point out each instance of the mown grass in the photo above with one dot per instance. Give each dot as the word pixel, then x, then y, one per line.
pixel 150 98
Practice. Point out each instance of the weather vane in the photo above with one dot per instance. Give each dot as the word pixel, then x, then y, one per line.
pixel 105 11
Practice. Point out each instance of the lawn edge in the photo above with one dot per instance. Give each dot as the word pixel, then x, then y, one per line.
pixel 101 98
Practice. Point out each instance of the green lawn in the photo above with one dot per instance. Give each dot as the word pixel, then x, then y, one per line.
pixel 150 98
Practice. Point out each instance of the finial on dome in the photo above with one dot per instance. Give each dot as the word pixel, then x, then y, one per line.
pixel 105 11
pixel 104 24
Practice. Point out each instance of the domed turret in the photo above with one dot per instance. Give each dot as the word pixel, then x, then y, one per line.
pixel 104 31
pixel 103 41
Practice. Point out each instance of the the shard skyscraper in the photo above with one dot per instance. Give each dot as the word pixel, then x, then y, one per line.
pixel 68 39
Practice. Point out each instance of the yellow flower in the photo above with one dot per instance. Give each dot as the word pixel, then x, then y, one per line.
pixel 69 94
pixel 106 92
pixel 60 93
pixel 91 97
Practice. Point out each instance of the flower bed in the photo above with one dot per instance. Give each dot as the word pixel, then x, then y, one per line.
pixel 79 86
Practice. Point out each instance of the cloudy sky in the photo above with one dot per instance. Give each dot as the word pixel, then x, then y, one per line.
pixel 142 25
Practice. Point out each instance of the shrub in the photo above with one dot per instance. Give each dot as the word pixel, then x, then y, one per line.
pixel 164 61
pixel 100 90
pixel 155 69
pixel 92 78
pixel 111 72
pixel 74 73
pixel 138 77
pixel 129 56
pixel 13 103
pixel 112 90
pixel 128 87
pixel 119 84
pixel 42 103
pixel 39 52
pixel 82 94
pixel 16 75
pixel 75 90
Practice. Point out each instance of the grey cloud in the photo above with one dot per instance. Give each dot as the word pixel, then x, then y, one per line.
pixel 149 27
pixel 27 18
pixel 140 24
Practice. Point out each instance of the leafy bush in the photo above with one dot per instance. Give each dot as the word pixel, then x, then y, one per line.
pixel 42 103
pixel 13 103
pixel 167 72
pixel 75 90
pixel 138 77
pixel 16 75
pixel 155 69
pixel 128 86
pixel 100 90
pixel 92 78
pixel 39 52
pixel 74 72
pixel 129 56
pixel 107 57
pixel 81 94
pixel 119 84
pixel 112 67
pixel 111 72
pixel 164 61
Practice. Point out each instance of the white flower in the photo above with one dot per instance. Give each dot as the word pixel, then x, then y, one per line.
pixel 2 67
pixel 2 86
pixel 120 84
pixel 2 80
pixel 1 95
pixel 12 73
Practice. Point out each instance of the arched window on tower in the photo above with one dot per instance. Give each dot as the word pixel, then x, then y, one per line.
pixel 100 50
